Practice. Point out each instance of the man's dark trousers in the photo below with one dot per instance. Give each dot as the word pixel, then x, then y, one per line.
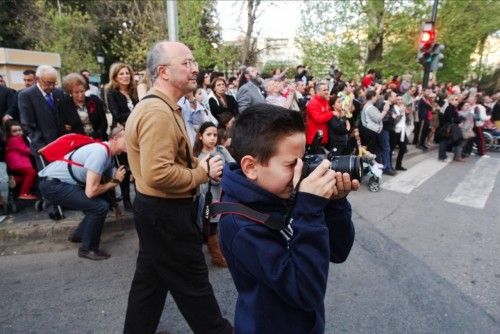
pixel 170 260
pixel 73 197
pixel 426 128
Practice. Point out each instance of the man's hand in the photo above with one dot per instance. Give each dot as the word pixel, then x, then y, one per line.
pixel 215 164
pixel 321 181
pixel 120 173
pixel 344 185
pixel 6 118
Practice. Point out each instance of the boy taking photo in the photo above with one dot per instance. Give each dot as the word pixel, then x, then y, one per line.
pixel 281 275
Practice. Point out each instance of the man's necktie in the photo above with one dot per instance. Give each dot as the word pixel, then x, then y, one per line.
pixel 50 101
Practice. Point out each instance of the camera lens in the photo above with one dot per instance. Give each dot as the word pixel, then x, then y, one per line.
pixel 350 164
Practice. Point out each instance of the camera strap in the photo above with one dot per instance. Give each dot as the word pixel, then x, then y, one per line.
pixel 219 208
pixel 207 208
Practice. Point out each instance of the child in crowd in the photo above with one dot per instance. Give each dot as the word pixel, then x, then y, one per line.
pixel 205 144
pixel 18 159
pixel 281 274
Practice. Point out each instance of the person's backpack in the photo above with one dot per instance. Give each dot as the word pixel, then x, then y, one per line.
pixel 57 150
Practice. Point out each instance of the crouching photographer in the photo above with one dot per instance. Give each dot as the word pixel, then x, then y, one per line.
pixel 80 182
pixel 281 225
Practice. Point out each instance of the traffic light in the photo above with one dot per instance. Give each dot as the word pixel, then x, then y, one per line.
pixel 436 57
pixel 426 42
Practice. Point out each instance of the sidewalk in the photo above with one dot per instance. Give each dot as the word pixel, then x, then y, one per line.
pixel 28 225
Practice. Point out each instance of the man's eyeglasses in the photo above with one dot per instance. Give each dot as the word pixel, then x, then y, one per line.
pixel 189 63
pixel 48 83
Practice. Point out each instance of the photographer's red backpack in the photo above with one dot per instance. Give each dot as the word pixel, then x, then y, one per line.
pixel 56 150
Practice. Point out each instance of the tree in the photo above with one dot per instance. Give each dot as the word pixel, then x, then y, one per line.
pixel 67 32
pixel 462 25
pixel 13 15
pixel 367 33
pixel 250 43
pixel 199 30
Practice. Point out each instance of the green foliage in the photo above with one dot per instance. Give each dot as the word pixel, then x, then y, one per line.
pixel 15 14
pixel 354 30
pixel 461 26
pixel 199 31
pixel 71 34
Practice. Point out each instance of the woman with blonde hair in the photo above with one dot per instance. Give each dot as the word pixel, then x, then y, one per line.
pixel 121 92
pixel 121 99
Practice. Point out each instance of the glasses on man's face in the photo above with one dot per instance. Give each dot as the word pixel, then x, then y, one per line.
pixel 48 83
pixel 188 63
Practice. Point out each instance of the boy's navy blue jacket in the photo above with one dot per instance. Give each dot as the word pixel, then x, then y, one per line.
pixel 281 284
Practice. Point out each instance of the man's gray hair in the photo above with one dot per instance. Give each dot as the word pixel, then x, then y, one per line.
pixel 156 57
pixel 45 69
pixel 319 84
pixel 116 130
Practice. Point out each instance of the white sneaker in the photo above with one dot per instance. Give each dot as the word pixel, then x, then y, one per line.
pixel 485 156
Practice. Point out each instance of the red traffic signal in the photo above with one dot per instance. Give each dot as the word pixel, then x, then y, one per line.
pixel 427 37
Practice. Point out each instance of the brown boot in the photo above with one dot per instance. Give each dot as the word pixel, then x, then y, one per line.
pixel 218 259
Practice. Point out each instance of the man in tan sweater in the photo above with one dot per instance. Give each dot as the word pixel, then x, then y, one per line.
pixel 167 177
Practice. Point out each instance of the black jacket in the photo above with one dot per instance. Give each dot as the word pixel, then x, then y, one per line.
pixel 8 103
pixel 117 105
pixel 42 121
pixel 97 117
pixel 217 109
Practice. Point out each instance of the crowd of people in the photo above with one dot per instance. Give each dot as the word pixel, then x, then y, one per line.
pixel 174 130
pixel 387 115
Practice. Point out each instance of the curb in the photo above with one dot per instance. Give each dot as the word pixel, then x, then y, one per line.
pixel 12 234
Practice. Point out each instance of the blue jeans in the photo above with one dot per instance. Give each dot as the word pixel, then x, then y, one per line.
pixel 384 155
pixel 73 197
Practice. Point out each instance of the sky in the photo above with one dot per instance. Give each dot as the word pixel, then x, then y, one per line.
pixel 278 19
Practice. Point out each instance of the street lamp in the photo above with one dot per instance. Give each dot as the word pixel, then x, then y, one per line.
pixel 100 61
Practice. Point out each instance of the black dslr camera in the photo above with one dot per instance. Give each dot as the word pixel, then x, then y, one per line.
pixel 350 164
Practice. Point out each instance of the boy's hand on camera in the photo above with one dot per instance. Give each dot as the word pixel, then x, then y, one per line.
pixel 320 182
pixel 343 185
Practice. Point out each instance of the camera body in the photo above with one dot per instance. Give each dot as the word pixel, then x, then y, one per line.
pixel 350 164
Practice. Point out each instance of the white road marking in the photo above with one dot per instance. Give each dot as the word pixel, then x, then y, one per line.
pixel 477 185
pixel 406 182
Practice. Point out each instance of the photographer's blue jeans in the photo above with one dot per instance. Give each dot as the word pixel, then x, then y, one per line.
pixel 73 197
pixel 384 155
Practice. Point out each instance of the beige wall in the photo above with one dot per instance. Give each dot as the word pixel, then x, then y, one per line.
pixel 13 62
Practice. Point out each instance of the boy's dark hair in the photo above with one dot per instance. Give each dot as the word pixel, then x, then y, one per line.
pixel 260 127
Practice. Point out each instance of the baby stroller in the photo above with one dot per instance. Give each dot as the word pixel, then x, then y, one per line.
pixel 371 170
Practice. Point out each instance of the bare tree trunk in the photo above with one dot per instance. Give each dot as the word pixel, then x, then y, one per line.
pixel 481 51
pixel 374 11
pixel 252 6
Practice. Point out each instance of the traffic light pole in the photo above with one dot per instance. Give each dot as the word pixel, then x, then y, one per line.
pixel 427 66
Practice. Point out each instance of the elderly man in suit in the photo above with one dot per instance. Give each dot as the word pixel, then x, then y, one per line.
pixel 249 92
pixel 39 108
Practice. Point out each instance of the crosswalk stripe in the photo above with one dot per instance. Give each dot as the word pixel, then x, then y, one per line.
pixel 412 178
pixel 474 190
